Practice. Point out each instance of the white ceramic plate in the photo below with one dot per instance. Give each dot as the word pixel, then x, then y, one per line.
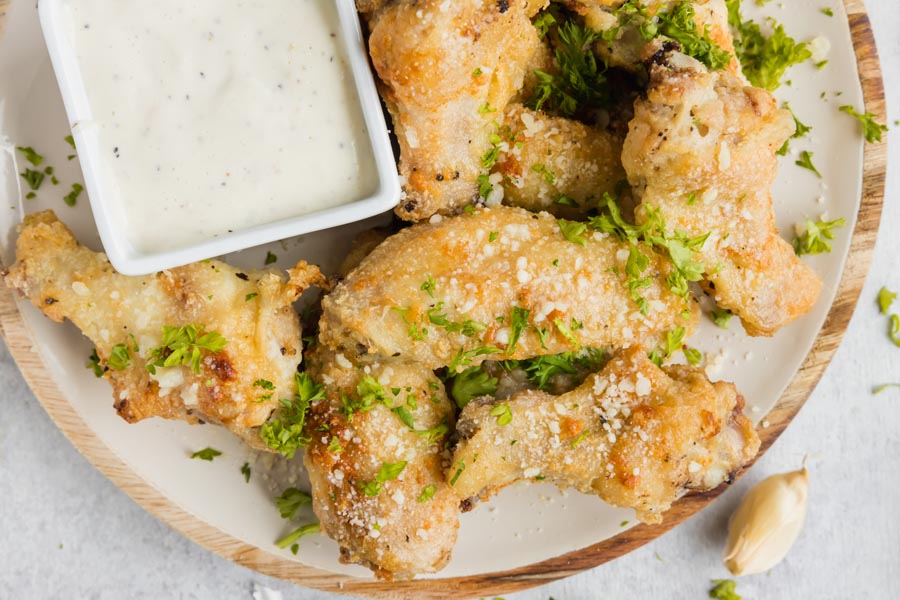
pixel 523 524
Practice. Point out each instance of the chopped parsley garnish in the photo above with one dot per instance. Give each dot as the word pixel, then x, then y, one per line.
pixel 567 332
pixel 872 130
pixel 404 415
pixel 460 467
pixel 464 358
pixel 30 155
pixel 369 394
pixel 477 72
pixel 264 384
pixel 581 437
pixel 721 317
pixel 472 383
pixel 387 472
pixel 429 286
pixel 634 267
pixel 493 236
pixel 894 330
pixel 284 433
pixel 724 589
pixel 542 369
pixel 693 356
pixel 800 131
pixel 544 172
pixel 679 25
pixel 673 343
pixel 764 59
pixel 573 231
pixel 334 446
pixel 503 414
pixel 885 298
pixel 184 346
pixel 70 141
pixel 543 22
pixel 271 258
pixel 433 435
pixel 518 325
pixel 484 185
pixel 806 162
pixel 94 364
pixel 119 357
pixel 814 239
pixel 564 200
pixel 485 109
pixel 207 454
pixel 290 501
pixel 427 493
pixel 293 537
pixel 72 197
pixel 827 12
pixel 33 178
pixel 250 297
pixel 414 331
pixel 580 83
pixel 245 471
pixel 885 386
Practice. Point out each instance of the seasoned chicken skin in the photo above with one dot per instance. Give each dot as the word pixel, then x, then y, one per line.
pixel 448 69
pixel 498 283
pixel 554 164
pixel 126 315
pixel 701 151
pixel 399 527
pixel 634 434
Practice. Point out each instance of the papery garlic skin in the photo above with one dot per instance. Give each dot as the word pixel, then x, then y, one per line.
pixel 767 523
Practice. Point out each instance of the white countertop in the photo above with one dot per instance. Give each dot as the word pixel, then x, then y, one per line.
pixel 67 532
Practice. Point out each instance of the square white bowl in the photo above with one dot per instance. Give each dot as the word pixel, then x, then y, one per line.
pixel 129 260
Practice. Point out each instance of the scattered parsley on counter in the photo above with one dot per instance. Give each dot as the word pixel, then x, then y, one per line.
pixel 724 589
pixel 894 330
pixel 805 161
pixel 827 12
pixel 871 129
pixel 814 238
pixel 72 197
pixel 290 501
pixel 33 178
pixel 885 298
pixel 30 155
pixel 245 471
pixel 884 387
pixel 207 454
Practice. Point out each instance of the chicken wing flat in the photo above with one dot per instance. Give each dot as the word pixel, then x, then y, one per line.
pixel 234 334
pixel 501 283
pixel 448 70
pixel 375 463
pixel 634 434
pixel 701 153
pixel 554 164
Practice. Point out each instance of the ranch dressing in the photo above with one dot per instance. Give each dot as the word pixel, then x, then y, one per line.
pixel 219 115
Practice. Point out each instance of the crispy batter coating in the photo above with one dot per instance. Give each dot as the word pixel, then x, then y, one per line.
pixel 409 526
pixel 251 309
pixel 448 69
pixel 634 434
pixel 447 292
pixel 701 150
pixel 626 49
pixel 548 157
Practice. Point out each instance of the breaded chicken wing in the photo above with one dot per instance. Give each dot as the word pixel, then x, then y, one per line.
pixel 448 70
pixel 634 434
pixel 375 463
pixel 501 283
pixel 701 151
pixel 555 164
pixel 626 48
pixel 125 316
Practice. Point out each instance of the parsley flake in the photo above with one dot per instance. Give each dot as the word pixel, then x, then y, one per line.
pixel 427 493
pixel 503 414
pixel 293 537
pixel 387 472
pixel 184 346
pixel 207 454
pixel 872 130
pixel 724 589
pixel 245 471
pixel 284 433
pixel 30 155
pixel 573 231
pixel 472 383
pixel 885 298
pixel 814 238
pixel 290 501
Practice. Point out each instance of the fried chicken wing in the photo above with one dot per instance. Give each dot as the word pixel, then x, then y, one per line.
pixel 385 413
pixel 634 434
pixel 701 151
pixel 555 164
pixel 448 70
pixel 500 283
pixel 124 317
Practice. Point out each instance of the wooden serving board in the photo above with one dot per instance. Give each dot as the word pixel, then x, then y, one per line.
pixel 25 351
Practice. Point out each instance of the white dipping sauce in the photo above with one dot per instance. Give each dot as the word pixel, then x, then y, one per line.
pixel 218 115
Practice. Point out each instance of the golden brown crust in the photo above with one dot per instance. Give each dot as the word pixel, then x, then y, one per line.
pixel 701 150
pixel 251 309
pixel 447 70
pixel 633 434
pixel 392 532
pixel 576 295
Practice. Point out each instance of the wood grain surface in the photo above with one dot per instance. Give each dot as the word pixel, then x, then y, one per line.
pixel 27 355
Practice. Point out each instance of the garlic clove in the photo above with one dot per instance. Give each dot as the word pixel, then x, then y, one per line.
pixel 767 523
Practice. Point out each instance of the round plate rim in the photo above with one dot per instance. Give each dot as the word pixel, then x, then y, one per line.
pixel 18 339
